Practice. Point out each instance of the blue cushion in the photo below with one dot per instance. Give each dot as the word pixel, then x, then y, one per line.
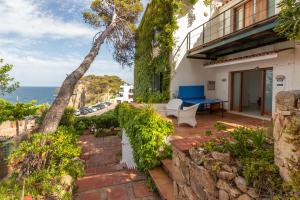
pixel 191 92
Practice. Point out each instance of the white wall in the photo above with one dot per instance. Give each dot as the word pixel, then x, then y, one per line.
pixel 125 94
pixel 296 74
pixel 282 65
pixel 198 11
pixel 187 71
pixel 192 72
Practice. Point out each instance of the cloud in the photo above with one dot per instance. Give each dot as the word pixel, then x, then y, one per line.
pixel 44 41
pixel 27 18
pixel 35 69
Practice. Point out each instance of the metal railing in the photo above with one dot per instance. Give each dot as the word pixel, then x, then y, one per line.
pixel 234 19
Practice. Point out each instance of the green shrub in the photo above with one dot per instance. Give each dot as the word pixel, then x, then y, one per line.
pixel 220 126
pixel 208 133
pixel 68 119
pixel 41 112
pixel 262 174
pixel 147 132
pixel 105 121
pixel 40 163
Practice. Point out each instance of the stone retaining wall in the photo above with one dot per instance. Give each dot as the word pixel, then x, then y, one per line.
pixel 287 107
pixel 199 176
pixel 8 128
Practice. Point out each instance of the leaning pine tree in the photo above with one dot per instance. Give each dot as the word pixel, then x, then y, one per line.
pixel 115 20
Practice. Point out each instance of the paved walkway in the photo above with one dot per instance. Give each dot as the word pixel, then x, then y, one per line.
pixel 185 137
pixel 105 178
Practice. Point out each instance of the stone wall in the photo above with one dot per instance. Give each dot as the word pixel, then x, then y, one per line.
pixel 287 107
pixel 8 128
pixel 201 176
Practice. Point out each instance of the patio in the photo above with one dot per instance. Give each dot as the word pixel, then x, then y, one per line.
pixel 185 137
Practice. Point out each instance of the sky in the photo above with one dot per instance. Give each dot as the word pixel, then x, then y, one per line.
pixel 45 40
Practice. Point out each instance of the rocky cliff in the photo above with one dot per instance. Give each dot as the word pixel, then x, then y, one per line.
pixel 93 89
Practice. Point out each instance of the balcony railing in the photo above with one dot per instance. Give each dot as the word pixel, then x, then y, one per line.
pixel 234 20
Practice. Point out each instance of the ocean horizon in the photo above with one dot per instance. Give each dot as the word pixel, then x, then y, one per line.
pixel 41 94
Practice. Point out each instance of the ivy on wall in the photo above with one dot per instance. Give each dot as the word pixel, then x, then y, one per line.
pixel 154 43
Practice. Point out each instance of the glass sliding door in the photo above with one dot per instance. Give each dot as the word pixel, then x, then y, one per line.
pixel 236 91
pixel 268 91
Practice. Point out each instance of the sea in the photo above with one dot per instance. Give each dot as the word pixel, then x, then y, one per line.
pixel 26 94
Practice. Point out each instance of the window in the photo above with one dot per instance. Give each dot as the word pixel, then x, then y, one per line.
pixel 249 13
pixel 271 8
pixel 239 17
pixel 260 10
pixel 253 11
pixel 157 82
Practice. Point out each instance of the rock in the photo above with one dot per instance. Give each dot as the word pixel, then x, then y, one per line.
pixel 234 169
pixel 201 179
pixel 244 197
pixel 223 195
pixel 175 159
pixel 223 157
pixel 227 168
pixel 234 192
pixel 67 180
pixel 252 193
pixel 241 184
pixel 226 175
pixel 189 193
pixel 196 154
pixel 78 98
pixel 223 185
pixel 181 167
pixel 286 100
pixel 239 165
pixel 208 163
pixel 177 175
pixel 175 188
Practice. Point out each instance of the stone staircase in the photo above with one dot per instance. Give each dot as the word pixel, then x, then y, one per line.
pixel 105 178
pixel 163 178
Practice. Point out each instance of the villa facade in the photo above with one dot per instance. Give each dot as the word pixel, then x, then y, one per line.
pixel 232 49
pixel 125 94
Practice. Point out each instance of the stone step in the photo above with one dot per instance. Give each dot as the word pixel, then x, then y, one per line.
pixel 104 169
pixel 102 180
pixel 167 166
pixel 163 182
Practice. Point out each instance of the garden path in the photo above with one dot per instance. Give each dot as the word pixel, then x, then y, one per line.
pixel 105 178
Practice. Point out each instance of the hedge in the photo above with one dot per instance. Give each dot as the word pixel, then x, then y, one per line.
pixel 147 132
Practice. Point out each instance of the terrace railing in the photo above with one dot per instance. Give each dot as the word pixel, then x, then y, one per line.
pixel 237 18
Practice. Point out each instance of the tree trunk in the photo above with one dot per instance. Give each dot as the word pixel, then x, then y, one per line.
pixel 53 116
pixel 17 128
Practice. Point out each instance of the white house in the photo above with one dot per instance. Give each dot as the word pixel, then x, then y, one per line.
pixel 232 50
pixel 125 94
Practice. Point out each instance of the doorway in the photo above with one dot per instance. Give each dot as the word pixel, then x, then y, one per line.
pixel 251 91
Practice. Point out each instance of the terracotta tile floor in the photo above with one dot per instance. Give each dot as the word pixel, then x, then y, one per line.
pixel 185 137
pixel 105 178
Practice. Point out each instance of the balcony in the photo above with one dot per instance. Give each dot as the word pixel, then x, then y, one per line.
pixel 243 26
